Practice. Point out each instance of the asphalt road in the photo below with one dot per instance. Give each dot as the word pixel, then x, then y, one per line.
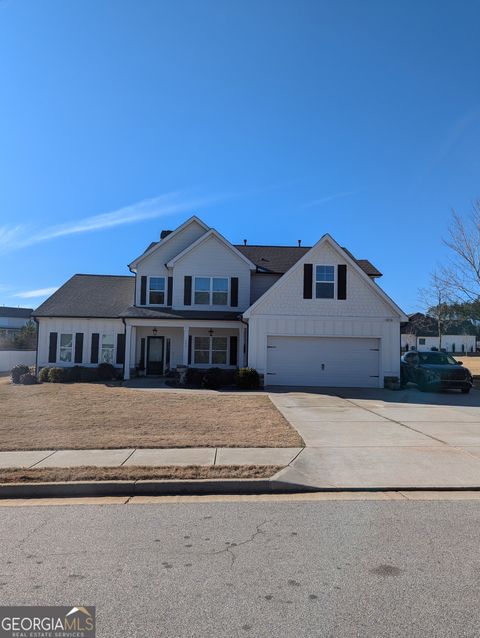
pixel 263 569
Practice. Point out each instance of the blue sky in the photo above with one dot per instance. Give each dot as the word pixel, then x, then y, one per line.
pixel 272 120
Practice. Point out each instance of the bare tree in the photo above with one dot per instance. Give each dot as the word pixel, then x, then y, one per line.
pixel 437 305
pixel 460 276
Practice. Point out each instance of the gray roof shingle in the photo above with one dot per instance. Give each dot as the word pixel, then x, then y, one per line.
pixel 168 313
pixel 17 313
pixel 90 296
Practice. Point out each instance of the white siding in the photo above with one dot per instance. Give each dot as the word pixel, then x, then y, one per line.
pixel 67 326
pixel 212 258
pixel 11 358
pixel 449 342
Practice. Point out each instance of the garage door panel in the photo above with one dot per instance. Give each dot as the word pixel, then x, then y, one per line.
pixel 323 361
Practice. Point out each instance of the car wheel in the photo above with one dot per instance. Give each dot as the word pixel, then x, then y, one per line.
pixel 465 390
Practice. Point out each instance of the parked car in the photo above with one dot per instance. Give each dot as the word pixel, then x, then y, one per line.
pixel 435 371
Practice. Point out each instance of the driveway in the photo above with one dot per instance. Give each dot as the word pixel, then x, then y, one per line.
pixel 359 438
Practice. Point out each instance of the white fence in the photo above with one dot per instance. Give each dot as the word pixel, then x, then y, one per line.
pixel 10 358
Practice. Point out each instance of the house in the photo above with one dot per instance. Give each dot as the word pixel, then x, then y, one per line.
pixel 420 332
pixel 310 316
pixel 12 320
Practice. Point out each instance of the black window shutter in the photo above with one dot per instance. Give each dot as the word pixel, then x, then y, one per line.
pixel 234 292
pixel 79 347
pixel 341 281
pixel 121 347
pixel 94 349
pixel 189 349
pixel 307 281
pixel 187 291
pixel 170 291
pixel 233 350
pixel 52 347
pixel 142 351
pixel 143 290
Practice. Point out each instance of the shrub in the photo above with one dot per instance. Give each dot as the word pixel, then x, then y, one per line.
pixel 18 371
pixel 106 372
pixel 213 379
pixel 247 378
pixel 194 376
pixel 88 375
pixel 57 375
pixel 73 374
pixel 28 379
pixel 43 375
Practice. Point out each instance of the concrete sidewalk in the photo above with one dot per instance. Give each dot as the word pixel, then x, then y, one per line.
pixel 148 457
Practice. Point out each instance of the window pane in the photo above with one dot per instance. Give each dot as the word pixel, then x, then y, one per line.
pixel 202 298
pixel 202 284
pixel 157 297
pixel 157 283
pixel 219 343
pixel 66 355
pixel 220 298
pixel 324 291
pixel 106 355
pixel 202 343
pixel 325 273
pixel 219 357
pixel 66 341
pixel 200 356
pixel 220 285
pixel 107 341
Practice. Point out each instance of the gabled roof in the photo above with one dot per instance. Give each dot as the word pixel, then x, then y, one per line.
pixel 166 239
pixel 279 259
pixel 211 233
pixel 17 313
pixel 348 257
pixel 90 296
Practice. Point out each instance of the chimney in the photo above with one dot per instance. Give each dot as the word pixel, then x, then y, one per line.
pixel 164 233
pixel 299 242
pixel 244 242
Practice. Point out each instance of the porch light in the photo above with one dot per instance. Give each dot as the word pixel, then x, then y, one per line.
pixel 155 332
pixel 210 332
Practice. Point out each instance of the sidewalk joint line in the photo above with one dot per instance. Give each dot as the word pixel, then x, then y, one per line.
pixel 128 457
pixel 215 456
pixel 43 459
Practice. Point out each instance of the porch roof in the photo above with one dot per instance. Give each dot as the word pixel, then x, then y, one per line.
pixel 135 312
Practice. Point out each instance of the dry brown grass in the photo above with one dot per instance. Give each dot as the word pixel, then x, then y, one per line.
pixel 472 363
pixel 85 416
pixel 59 474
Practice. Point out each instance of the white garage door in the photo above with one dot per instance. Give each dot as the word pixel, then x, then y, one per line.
pixel 323 361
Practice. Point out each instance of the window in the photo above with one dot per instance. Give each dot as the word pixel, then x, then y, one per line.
pixel 325 282
pixel 210 350
pixel 211 291
pixel 107 349
pixel 421 342
pixel 66 348
pixel 156 291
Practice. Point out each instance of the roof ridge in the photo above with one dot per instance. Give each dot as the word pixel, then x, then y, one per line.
pixel 267 246
pixel 86 274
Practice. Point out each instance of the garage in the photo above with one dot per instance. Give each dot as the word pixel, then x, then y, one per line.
pixel 323 361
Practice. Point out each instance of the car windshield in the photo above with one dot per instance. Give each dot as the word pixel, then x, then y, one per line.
pixel 437 358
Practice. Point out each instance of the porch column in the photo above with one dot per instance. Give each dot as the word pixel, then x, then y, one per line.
pixel 186 334
pixel 128 349
pixel 241 347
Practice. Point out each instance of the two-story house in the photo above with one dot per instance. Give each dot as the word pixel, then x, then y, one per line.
pixel 299 315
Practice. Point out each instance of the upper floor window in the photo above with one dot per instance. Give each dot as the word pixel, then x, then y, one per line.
pixel 156 291
pixel 107 349
pixel 211 291
pixel 325 282
pixel 66 348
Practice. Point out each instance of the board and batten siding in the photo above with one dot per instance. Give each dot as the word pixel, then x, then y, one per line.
pixel 66 326
pixel 154 264
pixel 211 259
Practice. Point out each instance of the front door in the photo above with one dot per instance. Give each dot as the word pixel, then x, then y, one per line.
pixel 155 355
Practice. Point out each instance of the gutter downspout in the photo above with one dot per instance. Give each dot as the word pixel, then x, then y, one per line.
pixel 125 353
pixel 36 351
pixel 246 339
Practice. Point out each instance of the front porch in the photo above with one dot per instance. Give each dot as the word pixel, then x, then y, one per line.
pixel 155 347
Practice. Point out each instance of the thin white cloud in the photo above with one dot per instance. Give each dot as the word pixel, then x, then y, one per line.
pixel 327 198
pixel 15 237
pixel 39 292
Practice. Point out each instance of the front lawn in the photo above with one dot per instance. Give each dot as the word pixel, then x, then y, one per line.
pixel 85 416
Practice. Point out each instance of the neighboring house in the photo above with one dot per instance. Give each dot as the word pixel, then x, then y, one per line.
pixel 300 316
pixel 421 333
pixel 12 320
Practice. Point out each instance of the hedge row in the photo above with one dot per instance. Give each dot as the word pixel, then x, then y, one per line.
pixel 21 374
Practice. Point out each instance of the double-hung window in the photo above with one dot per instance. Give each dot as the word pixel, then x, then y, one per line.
pixel 211 291
pixel 210 350
pixel 156 291
pixel 325 282
pixel 66 348
pixel 107 349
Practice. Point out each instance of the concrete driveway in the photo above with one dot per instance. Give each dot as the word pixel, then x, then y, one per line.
pixel 364 439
